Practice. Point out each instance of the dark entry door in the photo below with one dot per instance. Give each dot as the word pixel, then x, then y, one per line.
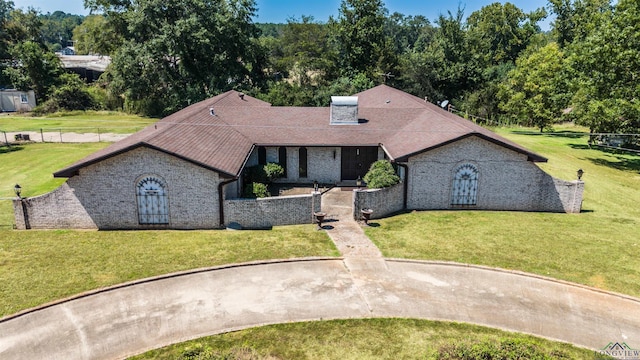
pixel 357 160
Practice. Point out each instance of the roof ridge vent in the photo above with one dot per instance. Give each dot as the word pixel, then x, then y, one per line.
pixel 344 110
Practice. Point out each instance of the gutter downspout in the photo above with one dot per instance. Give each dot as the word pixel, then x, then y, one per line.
pixel 406 184
pixel 235 178
pixel 406 176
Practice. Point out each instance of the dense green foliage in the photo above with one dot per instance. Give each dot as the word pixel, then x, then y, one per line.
pixel 381 175
pixel 273 171
pixel 96 35
pixel 257 179
pixel 178 53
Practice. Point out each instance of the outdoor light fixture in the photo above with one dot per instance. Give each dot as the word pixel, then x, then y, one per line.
pixel 358 182
pixel 580 173
pixel 18 190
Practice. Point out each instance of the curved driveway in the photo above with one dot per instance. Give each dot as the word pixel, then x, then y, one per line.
pixel 132 318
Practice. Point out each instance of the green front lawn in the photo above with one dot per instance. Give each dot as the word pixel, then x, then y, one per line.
pixel 37 267
pixel 598 247
pixel 77 121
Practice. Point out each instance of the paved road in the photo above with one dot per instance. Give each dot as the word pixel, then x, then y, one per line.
pixel 132 318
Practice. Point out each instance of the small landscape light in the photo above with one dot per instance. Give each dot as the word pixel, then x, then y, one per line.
pixel 358 182
pixel 17 189
pixel 580 173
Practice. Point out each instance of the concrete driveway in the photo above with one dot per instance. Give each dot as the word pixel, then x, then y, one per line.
pixel 132 318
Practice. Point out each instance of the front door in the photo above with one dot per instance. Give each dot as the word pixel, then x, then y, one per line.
pixel 356 161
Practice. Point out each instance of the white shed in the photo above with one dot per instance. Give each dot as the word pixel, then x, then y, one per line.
pixel 14 100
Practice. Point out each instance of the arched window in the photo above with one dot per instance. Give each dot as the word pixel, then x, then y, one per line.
pixel 262 155
pixel 282 157
pixel 302 162
pixel 152 201
pixel 465 185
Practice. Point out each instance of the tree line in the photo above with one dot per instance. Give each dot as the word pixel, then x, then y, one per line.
pixel 495 63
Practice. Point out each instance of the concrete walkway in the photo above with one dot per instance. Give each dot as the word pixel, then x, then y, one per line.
pixel 357 249
pixel 131 318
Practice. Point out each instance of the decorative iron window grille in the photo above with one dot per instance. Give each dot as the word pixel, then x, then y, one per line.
pixel 465 186
pixel 152 201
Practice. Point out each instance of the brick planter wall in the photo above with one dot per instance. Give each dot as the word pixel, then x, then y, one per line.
pixel 383 202
pixel 272 211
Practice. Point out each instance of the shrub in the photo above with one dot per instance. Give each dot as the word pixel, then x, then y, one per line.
pixel 273 171
pixel 381 175
pixel 255 173
pixel 71 95
pixel 504 349
pixel 256 190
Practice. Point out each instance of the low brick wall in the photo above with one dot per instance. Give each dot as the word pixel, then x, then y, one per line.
pixel 59 209
pixel 272 211
pixel 383 202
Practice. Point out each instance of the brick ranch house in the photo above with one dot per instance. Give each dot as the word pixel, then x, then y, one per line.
pixel 186 171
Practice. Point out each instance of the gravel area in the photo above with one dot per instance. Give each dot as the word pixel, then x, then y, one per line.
pixel 71 137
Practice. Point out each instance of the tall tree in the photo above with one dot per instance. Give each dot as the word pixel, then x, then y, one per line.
pixel 180 52
pixel 96 36
pixel 57 28
pixel 359 30
pixel 5 10
pixel 575 19
pixel 499 32
pixel 536 91
pixel 34 68
pixel 306 50
pixel 606 66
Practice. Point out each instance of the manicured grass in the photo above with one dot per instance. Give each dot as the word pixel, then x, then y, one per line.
pixel 77 121
pixel 354 339
pixel 598 247
pixel 37 267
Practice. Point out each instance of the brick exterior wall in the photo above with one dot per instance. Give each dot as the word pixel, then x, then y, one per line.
pixel 322 166
pixel 103 195
pixel 383 202
pixel 506 180
pixel 273 211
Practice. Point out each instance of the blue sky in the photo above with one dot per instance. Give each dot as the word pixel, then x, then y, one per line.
pixel 279 11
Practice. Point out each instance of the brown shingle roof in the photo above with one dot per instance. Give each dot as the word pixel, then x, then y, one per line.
pixel 404 124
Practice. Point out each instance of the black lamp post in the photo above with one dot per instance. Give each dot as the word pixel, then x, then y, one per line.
pixel 580 173
pixel 25 215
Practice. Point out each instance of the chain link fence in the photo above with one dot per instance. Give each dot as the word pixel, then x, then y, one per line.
pixel 66 135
